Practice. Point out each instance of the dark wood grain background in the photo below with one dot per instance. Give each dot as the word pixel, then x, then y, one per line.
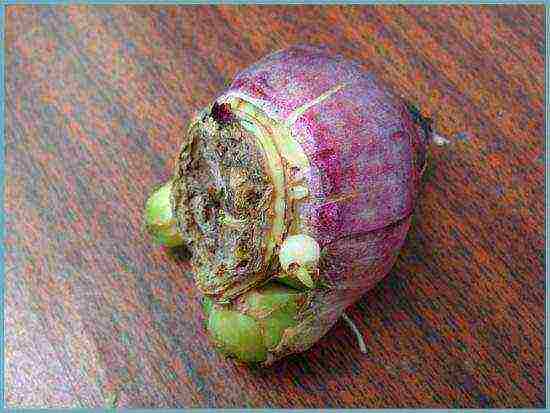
pixel 97 98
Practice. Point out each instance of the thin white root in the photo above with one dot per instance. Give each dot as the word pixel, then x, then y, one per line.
pixel 440 140
pixel 358 335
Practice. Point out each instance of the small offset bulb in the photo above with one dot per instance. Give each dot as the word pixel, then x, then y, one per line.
pixel 159 220
pixel 303 251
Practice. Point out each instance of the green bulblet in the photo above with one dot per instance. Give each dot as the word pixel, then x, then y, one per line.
pixel 254 324
pixel 159 220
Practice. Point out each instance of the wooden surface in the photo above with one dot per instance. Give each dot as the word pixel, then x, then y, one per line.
pixel 96 102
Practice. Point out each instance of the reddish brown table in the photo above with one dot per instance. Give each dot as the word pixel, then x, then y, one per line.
pixel 97 99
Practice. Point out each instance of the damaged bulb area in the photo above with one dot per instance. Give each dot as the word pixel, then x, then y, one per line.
pixel 222 200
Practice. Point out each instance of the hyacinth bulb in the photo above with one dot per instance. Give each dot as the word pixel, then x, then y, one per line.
pixel 294 191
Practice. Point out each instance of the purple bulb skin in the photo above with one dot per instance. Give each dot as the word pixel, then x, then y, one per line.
pixel 365 151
